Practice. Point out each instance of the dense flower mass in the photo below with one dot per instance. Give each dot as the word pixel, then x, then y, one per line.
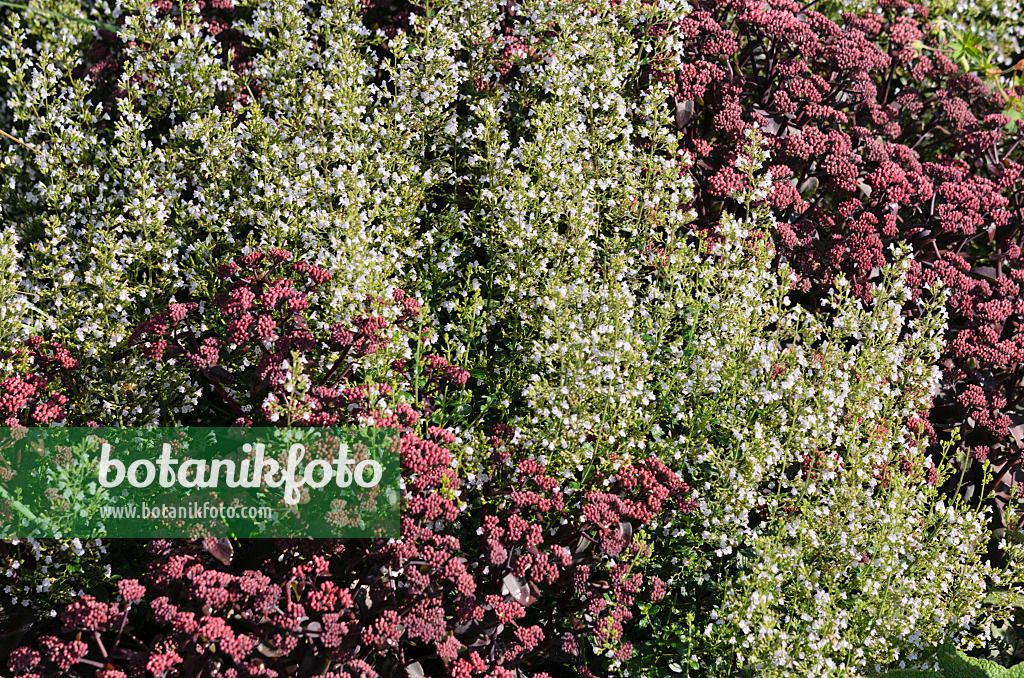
pixel 697 321
pixel 476 587
pixel 875 140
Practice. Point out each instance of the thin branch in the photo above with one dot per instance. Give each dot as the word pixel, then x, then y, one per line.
pixel 13 138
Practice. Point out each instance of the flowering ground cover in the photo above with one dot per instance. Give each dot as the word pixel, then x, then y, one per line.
pixel 699 323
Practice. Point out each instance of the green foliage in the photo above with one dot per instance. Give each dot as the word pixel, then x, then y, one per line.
pixel 952 663
pixel 72 494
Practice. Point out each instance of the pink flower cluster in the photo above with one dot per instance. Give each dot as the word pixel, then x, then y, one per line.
pixel 34 397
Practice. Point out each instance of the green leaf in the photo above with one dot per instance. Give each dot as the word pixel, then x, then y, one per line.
pixel 1014 114
pixel 955 664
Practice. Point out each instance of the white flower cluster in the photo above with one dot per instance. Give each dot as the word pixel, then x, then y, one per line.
pixel 36 572
pixel 578 182
pixel 814 488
